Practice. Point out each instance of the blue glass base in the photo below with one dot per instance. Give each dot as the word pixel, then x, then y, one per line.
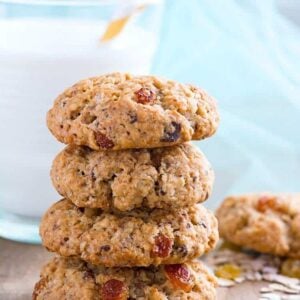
pixel 19 228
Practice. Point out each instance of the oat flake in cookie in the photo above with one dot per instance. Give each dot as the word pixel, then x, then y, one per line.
pixel 120 111
pixel 169 177
pixel 267 223
pixel 135 238
pixel 69 278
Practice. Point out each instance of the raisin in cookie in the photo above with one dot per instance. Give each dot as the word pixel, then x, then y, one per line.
pixel 120 111
pixel 157 178
pixel 267 223
pixel 70 278
pixel 135 238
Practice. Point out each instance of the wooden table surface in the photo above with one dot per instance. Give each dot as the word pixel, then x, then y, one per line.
pixel 20 265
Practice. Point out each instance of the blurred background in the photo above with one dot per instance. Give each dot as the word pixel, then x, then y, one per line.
pixel 244 53
pixel 247 55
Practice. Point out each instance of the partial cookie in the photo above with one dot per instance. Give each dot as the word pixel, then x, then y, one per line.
pixel 69 278
pixel 135 238
pixel 157 178
pixel 267 223
pixel 121 111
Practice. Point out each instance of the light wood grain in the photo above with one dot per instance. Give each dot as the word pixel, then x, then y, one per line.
pixel 20 266
pixel 19 269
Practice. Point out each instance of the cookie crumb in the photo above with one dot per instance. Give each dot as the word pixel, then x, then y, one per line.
pixel 253 267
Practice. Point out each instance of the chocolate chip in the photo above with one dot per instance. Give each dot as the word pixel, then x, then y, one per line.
pixel 171 134
pixel 66 239
pixel 203 224
pixel 105 248
pixel 132 117
pixel 182 250
pixel 158 189
pixel 156 160
pixel 82 151
pixel 81 209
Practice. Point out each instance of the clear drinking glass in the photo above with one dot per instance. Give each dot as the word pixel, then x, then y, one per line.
pixel 46 46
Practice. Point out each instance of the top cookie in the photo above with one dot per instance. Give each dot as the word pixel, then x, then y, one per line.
pixel 265 222
pixel 121 111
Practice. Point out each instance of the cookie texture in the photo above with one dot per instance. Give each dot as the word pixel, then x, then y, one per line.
pixel 135 238
pixel 265 222
pixel 70 278
pixel 120 111
pixel 168 177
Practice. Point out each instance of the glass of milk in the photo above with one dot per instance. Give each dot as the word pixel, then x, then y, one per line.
pixel 46 46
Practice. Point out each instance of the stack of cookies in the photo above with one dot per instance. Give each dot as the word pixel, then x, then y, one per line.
pixel 130 225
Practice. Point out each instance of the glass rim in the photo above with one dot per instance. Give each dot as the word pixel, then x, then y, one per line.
pixel 78 2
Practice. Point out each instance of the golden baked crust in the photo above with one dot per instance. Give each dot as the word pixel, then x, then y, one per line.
pixel 265 222
pixel 169 177
pixel 69 278
pixel 120 111
pixel 135 238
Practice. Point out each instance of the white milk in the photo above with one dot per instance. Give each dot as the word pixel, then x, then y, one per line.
pixel 38 60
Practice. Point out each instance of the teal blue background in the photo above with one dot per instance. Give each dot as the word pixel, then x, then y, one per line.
pixel 247 55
